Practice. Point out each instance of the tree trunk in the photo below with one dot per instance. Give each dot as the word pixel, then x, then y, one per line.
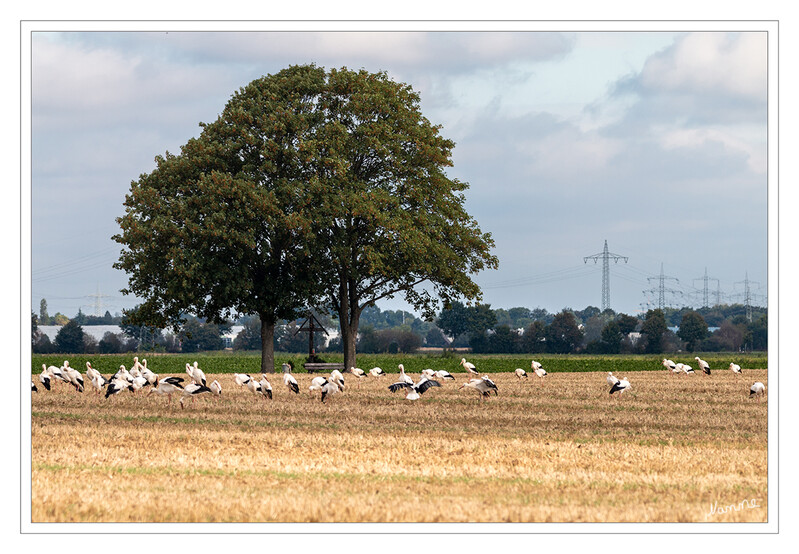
pixel 349 317
pixel 267 346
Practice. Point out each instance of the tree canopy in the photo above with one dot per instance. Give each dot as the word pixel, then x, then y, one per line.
pixel 311 187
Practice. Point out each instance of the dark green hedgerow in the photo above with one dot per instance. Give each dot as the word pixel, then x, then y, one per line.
pixel 230 362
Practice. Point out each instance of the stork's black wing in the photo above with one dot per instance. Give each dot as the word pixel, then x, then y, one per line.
pixel 399 385
pixel 616 387
pixel 424 385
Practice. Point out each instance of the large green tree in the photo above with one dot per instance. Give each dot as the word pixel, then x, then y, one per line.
pixel 393 221
pixel 69 339
pixel 693 329
pixel 563 335
pixel 225 227
pixel 653 328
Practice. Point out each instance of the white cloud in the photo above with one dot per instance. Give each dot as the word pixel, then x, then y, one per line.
pixel 719 63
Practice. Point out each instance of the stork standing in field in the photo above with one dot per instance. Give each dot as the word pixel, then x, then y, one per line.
pixel 703 365
pixel 192 390
pixel 670 366
pixel 539 371
pixel 443 374
pixel 735 368
pixel 520 374
pixel 337 378
pixel 469 367
pixel 414 391
pixel 324 386
pixel 758 389
pixel 611 379
pixel 377 372
pixel 74 376
pixel 402 377
pixel 241 379
pixel 167 386
pixel 491 385
pixel 215 387
pixel 196 373
pixel 265 386
pixel 620 386
pixel 98 382
pixel 122 374
pixel 44 377
pixel 359 373
pixel 115 386
pixel 55 374
pixel 429 373
pixel 148 374
pixel 291 383
pixel 478 385
pixel 685 368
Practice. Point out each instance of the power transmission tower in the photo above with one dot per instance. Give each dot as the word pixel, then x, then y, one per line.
pixel 98 303
pixel 705 296
pixel 747 295
pixel 605 256
pixel 662 290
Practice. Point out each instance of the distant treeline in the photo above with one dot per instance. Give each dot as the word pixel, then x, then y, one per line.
pixel 482 329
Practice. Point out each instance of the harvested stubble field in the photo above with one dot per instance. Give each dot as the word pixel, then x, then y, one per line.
pixel 557 451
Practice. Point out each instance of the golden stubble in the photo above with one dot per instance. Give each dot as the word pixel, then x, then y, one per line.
pixel 561 450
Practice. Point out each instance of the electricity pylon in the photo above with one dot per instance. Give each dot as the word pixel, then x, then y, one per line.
pixel 705 295
pixel 605 256
pixel 662 290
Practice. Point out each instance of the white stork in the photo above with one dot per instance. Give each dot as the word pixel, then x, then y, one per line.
pixel 241 379
pixel 491 385
pixel 192 390
pixel 55 374
pixel 414 391
pixel 196 373
pixel 324 386
pixel 402 377
pixel 115 386
pixel 98 382
pixel 123 374
pixel 758 389
pixel 703 365
pixel 148 374
pixel 685 368
pixel 138 383
pixel 669 365
pixel 611 379
pixel 74 376
pixel 167 386
pixel 376 372
pixel 429 373
pixel 443 374
pixel 479 385
pixel 620 386
pixel 265 386
pixel 291 383
pixel 538 370
pixel 520 373
pixel 44 377
pixel 359 373
pixel 735 368
pixel 215 387
pixel 337 378
pixel 469 367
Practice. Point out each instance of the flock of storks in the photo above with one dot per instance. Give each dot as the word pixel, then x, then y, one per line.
pixel 139 377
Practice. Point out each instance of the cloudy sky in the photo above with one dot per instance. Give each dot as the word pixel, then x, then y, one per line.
pixel 655 141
